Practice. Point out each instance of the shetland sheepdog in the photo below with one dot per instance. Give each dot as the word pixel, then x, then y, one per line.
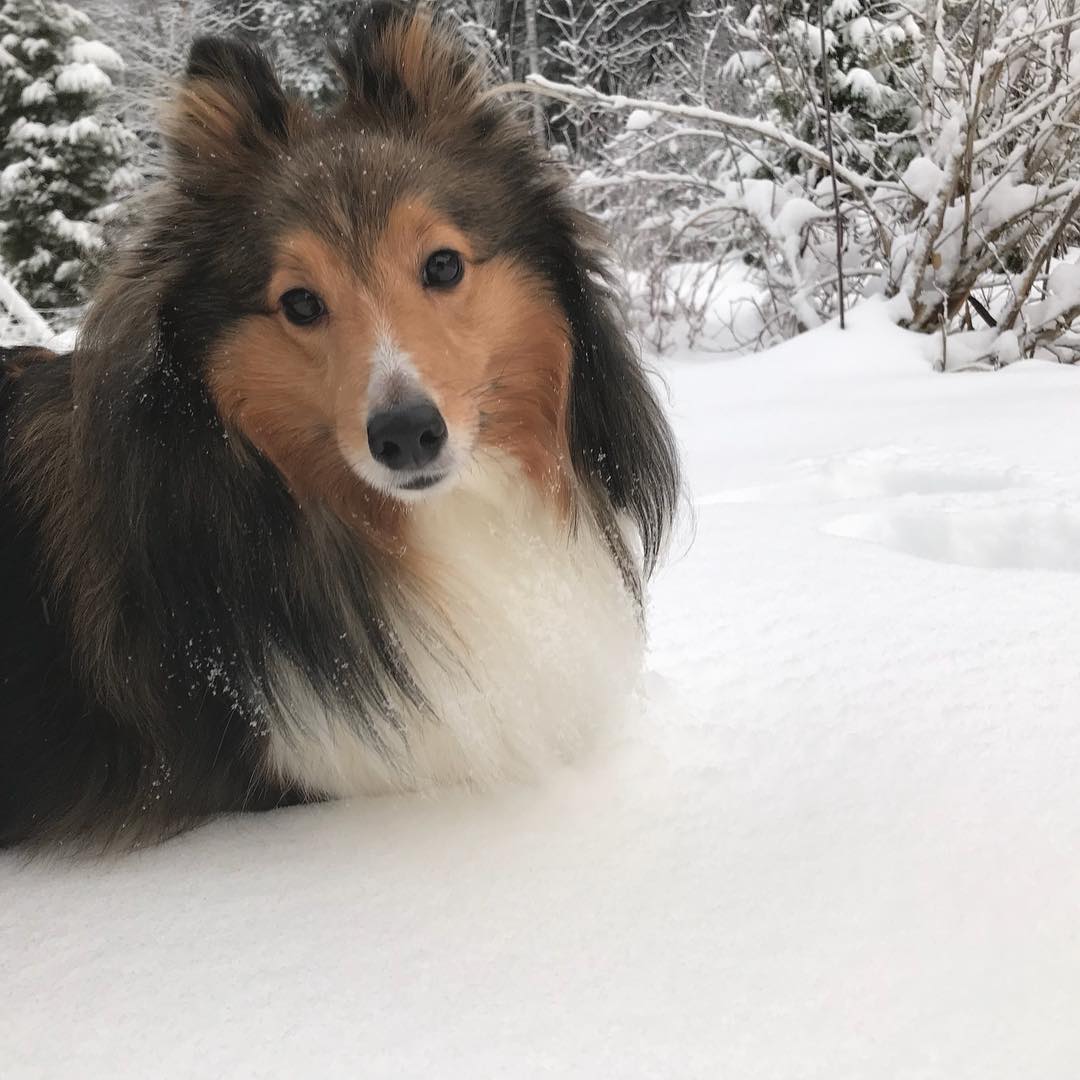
pixel 352 481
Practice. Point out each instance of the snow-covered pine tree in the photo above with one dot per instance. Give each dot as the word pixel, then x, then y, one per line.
pixel 874 64
pixel 62 162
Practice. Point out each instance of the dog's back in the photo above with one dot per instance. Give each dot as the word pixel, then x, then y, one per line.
pixel 62 759
pixel 68 769
pixel 31 657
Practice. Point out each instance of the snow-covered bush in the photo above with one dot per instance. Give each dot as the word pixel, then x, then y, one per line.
pixel 63 162
pixel 697 133
pixel 648 176
pixel 722 160
pixel 616 46
pixel 957 161
pixel 994 195
pixel 872 47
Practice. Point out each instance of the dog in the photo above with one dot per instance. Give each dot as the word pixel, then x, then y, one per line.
pixel 353 480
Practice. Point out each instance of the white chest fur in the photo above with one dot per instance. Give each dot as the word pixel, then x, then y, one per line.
pixel 542 650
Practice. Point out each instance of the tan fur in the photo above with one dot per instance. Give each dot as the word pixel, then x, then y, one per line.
pixel 492 352
pixel 204 120
pixel 212 133
pixel 13 362
pixel 290 389
pixel 425 61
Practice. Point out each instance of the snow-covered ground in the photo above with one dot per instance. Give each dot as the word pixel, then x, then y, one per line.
pixel 841 840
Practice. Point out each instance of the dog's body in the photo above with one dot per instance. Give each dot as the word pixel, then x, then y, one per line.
pixel 352 480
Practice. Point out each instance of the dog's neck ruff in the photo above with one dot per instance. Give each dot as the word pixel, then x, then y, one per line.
pixel 523 640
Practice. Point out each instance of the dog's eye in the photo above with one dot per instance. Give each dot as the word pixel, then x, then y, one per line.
pixel 301 306
pixel 443 268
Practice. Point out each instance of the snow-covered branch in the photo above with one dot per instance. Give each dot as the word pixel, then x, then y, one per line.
pixel 20 310
pixel 760 128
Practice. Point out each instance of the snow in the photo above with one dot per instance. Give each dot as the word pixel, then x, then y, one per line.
pixel 32 47
pixel 639 119
pixel 838 842
pixel 84 129
pixel 85 234
pixel 96 52
pixel 862 83
pixel 77 78
pixel 839 10
pixel 744 62
pixel 923 179
pixel 1007 200
pixel 12 175
pixel 860 33
pixel 1064 281
pixel 36 93
pixel 27 131
pixel 793 216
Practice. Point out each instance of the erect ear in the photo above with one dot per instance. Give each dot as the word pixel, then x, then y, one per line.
pixel 401 67
pixel 229 111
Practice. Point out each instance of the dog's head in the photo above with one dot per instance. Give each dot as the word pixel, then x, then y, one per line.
pixel 375 294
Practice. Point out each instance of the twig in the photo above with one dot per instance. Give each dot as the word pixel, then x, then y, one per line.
pixel 537 84
pixel 980 309
pixel 861 185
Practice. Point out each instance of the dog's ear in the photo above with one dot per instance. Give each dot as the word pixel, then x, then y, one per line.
pixel 402 68
pixel 229 111
pixel 620 439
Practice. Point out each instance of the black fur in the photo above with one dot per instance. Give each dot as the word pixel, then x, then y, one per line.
pixel 151 558
pixel 242 66
pixel 369 83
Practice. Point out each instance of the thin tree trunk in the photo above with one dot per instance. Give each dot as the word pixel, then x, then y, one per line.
pixel 532 56
pixel 832 166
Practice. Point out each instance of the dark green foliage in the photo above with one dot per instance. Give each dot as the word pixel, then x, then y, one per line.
pixel 61 160
pixel 873 56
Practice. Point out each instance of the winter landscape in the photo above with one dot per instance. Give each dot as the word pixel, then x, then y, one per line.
pixel 838 836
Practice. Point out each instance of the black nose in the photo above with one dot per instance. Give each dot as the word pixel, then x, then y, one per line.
pixel 406 436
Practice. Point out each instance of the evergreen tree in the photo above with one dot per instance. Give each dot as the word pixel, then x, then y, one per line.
pixel 62 162
pixel 873 50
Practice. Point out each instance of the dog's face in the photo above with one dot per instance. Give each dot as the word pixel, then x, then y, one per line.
pixel 398 355
pixel 375 295
pixel 400 327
